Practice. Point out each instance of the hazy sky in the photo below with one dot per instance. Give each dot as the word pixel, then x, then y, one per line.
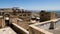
pixel 32 4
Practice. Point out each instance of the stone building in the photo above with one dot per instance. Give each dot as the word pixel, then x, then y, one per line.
pixel 44 15
pixel 15 14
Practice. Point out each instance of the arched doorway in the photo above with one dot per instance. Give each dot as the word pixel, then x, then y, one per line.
pixel 7 19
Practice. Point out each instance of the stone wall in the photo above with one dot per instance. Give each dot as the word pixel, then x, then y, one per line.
pixel 18 29
pixel 34 31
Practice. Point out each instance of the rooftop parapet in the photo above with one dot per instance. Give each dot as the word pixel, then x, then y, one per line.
pixel 43 27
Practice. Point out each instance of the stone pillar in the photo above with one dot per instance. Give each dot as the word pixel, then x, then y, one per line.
pixel 2 22
pixel 51 25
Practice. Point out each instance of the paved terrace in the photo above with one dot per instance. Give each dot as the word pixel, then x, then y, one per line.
pixel 44 26
pixel 13 29
pixel 7 30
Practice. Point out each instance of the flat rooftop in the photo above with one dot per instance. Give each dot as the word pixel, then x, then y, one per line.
pixel 7 30
pixel 46 26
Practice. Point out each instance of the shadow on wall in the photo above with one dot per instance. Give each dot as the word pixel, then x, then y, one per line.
pixel 16 29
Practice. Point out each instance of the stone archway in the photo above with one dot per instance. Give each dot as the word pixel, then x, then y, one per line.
pixel 7 15
pixel 7 19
